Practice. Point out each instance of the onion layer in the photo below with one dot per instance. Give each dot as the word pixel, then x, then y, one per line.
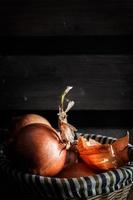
pixel 38 149
pixel 104 156
pixel 120 147
pixel 76 170
pixel 29 119
pixel 96 155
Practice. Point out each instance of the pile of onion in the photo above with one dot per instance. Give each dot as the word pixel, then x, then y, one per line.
pixel 21 121
pixel 96 157
pixel 28 119
pixel 36 147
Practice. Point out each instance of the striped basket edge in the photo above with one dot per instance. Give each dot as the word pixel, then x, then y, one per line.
pixel 102 184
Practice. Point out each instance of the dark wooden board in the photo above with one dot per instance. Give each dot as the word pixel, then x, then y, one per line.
pixel 66 45
pixel 67 17
pixel 101 82
pixel 79 118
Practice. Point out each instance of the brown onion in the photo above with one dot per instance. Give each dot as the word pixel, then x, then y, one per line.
pixel 38 149
pixel 76 170
pixel 104 156
pixel 71 158
pixel 29 119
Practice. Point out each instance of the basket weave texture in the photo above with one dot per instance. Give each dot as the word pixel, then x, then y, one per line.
pixel 111 185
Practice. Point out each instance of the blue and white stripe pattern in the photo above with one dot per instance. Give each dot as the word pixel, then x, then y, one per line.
pixel 72 188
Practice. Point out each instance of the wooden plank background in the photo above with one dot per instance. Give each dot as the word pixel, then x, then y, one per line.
pixel 100 82
pixel 46 45
pixel 37 26
pixel 67 17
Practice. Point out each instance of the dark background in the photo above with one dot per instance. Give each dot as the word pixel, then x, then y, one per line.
pixel 47 45
pixel 71 17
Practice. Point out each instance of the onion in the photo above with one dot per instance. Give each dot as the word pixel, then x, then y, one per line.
pixel 71 158
pixel 104 156
pixel 76 170
pixel 28 119
pixel 96 155
pixel 38 149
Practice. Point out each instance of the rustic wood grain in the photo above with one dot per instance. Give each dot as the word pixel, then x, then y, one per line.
pixel 66 45
pixel 36 82
pixel 67 17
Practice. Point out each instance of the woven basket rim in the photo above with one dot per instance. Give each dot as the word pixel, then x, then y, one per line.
pixel 86 135
pixel 122 176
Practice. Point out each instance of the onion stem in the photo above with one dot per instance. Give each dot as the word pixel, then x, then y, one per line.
pixel 63 96
pixel 66 129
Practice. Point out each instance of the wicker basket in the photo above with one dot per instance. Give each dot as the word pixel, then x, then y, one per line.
pixel 110 185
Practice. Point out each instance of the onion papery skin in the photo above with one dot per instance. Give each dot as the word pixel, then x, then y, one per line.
pixel 38 150
pixel 97 156
pixel 28 119
pixel 120 147
pixel 71 158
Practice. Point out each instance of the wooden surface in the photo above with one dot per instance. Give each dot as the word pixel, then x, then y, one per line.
pixel 68 26
pixel 66 45
pixel 91 31
pixel 67 17
pixel 100 82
